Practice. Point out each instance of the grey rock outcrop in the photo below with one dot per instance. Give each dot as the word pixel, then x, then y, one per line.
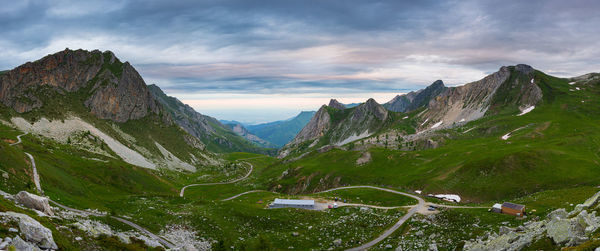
pixel 566 232
pixel 474 100
pixel 590 222
pixel 565 229
pixel 21 245
pixel 33 231
pixel 35 202
pixel 560 213
pixel 121 98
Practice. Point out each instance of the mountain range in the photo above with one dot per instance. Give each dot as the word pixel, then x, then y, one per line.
pixel 93 89
pixel 83 128
pixel 508 90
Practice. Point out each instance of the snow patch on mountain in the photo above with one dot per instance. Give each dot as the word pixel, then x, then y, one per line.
pixel 448 197
pixel 526 110
pixel 436 125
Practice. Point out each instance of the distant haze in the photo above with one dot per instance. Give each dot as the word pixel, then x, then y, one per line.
pixel 270 59
pixel 254 109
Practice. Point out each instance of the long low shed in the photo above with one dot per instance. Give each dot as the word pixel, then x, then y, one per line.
pixel 283 203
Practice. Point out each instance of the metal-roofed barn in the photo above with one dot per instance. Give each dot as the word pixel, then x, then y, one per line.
pixel 513 209
pixel 283 203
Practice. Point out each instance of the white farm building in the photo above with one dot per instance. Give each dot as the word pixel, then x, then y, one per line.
pixel 282 203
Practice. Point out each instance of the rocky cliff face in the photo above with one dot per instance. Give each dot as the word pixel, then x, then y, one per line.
pixel 121 98
pixel 510 86
pixel 66 70
pixel 117 91
pixel 414 100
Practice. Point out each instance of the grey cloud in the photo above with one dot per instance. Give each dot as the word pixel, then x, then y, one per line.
pixel 558 36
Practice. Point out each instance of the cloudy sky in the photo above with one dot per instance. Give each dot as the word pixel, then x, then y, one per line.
pixel 257 61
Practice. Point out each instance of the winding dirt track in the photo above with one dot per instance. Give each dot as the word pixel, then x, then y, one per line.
pixel 244 193
pixel 36 179
pixel 398 224
pixel 19 139
pixel 181 193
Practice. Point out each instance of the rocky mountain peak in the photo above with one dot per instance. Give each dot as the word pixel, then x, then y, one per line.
pixel 333 103
pixel 116 90
pixel 509 87
pixel 371 107
pixel 523 68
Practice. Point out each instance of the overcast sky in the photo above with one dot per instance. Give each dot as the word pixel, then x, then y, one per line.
pixel 257 61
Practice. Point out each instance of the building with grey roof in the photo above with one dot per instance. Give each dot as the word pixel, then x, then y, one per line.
pixel 283 203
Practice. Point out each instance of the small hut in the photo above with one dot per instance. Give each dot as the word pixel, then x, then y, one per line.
pixel 497 208
pixel 513 209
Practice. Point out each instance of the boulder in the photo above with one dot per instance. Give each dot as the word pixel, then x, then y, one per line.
pixel 22 245
pixel 337 242
pixel 93 228
pixel 504 230
pixel 588 221
pixel 566 232
pixel 34 202
pixel 432 247
pixel 6 195
pixel 32 230
pixel 4 244
pixel 560 213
